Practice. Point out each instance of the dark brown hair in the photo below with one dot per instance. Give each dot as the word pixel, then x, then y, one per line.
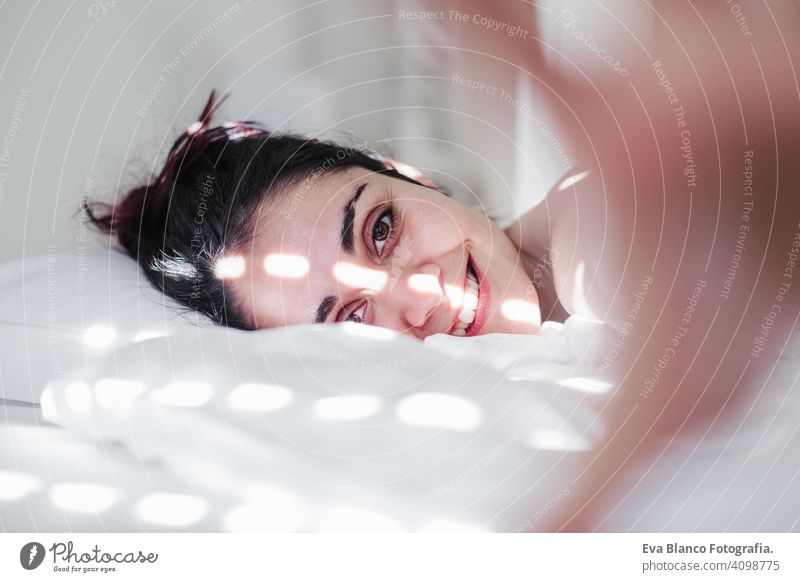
pixel 202 203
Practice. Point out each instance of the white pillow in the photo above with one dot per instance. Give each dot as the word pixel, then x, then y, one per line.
pixel 58 311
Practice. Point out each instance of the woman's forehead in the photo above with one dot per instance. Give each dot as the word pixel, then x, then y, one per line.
pixel 311 212
pixel 323 191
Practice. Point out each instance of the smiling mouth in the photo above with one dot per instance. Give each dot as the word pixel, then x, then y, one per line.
pixel 469 307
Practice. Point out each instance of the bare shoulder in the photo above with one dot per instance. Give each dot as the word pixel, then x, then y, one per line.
pixel 586 229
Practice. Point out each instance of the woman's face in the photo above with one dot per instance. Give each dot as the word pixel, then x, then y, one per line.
pixel 359 246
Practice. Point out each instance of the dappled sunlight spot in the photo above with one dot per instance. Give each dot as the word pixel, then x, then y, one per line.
pixel 455 295
pixel 48 405
pixel 359 277
pixel 147 334
pixel 368 331
pixel 428 409
pixel 424 283
pixel 522 311
pixel 171 509
pixel 449 526
pixel 579 303
pixel 555 440
pixel 99 336
pixel 83 497
pixel 194 127
pixel 346 407
pixel 269 509
pixel 410 171
pixel 572 180
pixel 15 485
pixel 259 397
pixel 238 131
pixel 78 397
pixel 290 266
pixel 185 394
pixel 174 267
pixel 585 384
pixel 231 267
pixel 117 393
pixel 351 519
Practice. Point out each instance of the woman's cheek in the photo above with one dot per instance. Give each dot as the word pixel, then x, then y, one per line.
pixel 425 236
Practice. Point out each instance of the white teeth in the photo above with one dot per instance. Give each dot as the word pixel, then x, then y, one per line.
pixel 470 299
pixel 469 304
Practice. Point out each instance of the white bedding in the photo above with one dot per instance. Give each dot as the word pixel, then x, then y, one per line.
pixel 338 427
pixel 62 310
pixel 308 428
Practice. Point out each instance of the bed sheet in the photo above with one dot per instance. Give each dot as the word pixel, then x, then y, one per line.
pixel 313 428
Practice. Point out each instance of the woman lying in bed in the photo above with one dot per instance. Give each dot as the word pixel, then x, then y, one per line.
pixel 258 230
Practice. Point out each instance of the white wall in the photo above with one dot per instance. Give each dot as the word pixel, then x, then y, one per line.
pixel 88 67
pixel 74 79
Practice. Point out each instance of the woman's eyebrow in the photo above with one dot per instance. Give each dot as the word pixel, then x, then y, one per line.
pixel 324 309
pixel 348 218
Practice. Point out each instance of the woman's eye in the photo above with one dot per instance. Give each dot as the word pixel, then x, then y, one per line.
pixel 382 231
pixel 357 315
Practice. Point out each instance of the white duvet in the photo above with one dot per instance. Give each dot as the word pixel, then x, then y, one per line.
pixel 337 427
pixel 310 429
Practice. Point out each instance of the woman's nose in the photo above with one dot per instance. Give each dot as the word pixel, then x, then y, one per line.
pixel 419 292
